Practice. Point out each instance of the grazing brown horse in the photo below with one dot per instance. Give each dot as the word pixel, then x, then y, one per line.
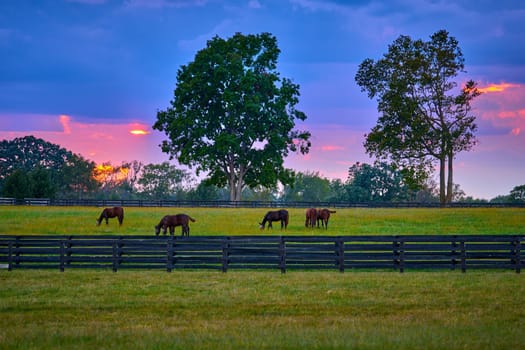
pixel 279 215
pixel 172 221
pixel 323 215
pixel 108 213
pixel 311 217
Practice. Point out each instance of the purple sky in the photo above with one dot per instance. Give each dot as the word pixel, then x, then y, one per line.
pixel 84 73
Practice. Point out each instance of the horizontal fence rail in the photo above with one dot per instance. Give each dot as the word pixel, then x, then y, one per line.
pixel 341 253
pixel 242 204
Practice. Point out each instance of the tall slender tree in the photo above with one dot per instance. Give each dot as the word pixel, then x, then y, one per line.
pixel 424 117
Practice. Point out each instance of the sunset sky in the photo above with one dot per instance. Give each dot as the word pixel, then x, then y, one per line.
pixel 90 75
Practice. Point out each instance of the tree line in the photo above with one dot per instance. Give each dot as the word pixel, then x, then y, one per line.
pixel 34 168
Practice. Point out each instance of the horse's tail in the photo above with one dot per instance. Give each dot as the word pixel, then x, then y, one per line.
pixel 191 219
pixel 286 220
pixel 332 211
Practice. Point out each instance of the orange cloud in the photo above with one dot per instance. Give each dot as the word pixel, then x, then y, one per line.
pixel 138 129
pixel 498 87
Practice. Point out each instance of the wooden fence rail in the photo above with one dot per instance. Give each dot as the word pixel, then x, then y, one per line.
pixel 242 204
pixel 342 253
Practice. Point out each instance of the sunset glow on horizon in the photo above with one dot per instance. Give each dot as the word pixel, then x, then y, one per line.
pixel 498 87
pixel 138 132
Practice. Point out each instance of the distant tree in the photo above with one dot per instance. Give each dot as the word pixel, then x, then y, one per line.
pixel 233 117
pixel 42 185
pixel 501 199
pixel 307 187
pixel 18 185
pixel 57 171
pixel 376 183
pixel 206 192
pixel 422 119
pixel 76 178
pixel 162 181
pixel 337 191
pixel 517 194
pixel 259 194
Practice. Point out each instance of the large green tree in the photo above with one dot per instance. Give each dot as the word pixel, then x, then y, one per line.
pixel 233 116
pixel 54 169
pixel 424 116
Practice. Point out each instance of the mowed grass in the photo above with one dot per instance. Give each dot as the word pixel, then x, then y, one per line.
pixel 244 221
pixel 189 309
pixel 94 309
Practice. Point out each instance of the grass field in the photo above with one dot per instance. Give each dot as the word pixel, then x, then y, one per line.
pixel 225 221
pixel 99 309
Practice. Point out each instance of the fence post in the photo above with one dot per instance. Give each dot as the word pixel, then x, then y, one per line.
pixel 453 253
pixel 340 252
pixel 169 262
pixel 225 247
pixel 62 253
pixel 282 254
pixel 398 250
pixel 517 254
pixel 116 255
pixel 463 256
pixel 10 256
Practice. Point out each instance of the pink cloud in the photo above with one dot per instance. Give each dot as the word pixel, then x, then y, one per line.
pixel 502 106
pixel 330 148
pixel 99 142
pixel 64 120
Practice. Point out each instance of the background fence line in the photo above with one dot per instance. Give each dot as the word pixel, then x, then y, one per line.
pixel 241 204
pixel 223 253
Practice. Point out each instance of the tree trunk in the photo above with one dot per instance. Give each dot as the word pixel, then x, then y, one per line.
pixel 235 185
pixel 450 179
pixel 442 195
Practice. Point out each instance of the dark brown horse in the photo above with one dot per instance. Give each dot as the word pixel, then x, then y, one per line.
pixel 108 213
pixel 311 217
pixel 279 215
pixel 172 221
pixel 323 215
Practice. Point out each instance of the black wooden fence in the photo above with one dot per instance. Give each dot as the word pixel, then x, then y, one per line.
pixel 342 253
pixel 243 204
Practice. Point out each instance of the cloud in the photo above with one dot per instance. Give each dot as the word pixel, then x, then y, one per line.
pixel 331 148
pixel 501 107
pixel 254 4
pixel 163 3
pixel 100 142
pixel 64 120
pixel 498 87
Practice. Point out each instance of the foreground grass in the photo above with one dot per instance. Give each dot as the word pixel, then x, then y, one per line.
pixel 244 221
pixel 261 310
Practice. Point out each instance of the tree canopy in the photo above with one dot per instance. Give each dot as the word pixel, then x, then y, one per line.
pixel 424 116
pixel 32 167
pixel 233 116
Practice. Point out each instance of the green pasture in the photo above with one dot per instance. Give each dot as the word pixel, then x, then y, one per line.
pixel 244 221
pixel 97 309
pixel 240 309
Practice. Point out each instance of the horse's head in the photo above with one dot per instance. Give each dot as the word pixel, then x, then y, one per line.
pixel 98 222
pixel 261 226
pixel 157 230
